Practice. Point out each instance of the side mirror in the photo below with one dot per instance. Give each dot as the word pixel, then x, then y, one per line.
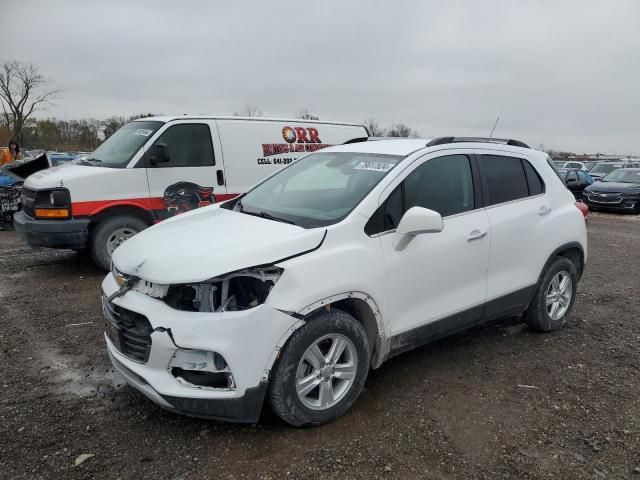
pixel 419 220
pixel 159 153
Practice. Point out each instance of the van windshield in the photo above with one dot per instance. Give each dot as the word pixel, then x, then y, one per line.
pixel 318 190
pixel 117 150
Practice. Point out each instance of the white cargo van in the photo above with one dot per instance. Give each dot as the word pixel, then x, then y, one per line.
pixel 158 167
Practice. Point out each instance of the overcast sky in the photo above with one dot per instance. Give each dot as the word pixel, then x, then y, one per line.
pixel 565 74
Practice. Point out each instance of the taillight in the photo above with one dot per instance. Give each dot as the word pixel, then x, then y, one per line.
pixel 583 208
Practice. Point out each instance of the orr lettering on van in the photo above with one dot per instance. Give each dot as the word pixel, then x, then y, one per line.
pixel 269 149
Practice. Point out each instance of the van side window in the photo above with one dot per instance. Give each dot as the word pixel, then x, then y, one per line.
pixel 505 178
pixel 536 185
pixel 443 184
pixel 189 145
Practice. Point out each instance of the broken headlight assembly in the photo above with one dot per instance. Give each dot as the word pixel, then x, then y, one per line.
pixel 236 291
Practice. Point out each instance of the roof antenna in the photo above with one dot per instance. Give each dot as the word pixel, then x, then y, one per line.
pixel 494 127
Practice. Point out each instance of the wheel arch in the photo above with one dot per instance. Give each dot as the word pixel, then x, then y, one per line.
pixel 365 310
pixel 573 251
pixel 128 209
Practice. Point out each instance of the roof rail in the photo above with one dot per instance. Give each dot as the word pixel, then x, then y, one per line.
pixel 357 140
pixel 371 139
pixel 505 141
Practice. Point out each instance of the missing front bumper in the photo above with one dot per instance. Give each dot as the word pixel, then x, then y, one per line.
pixel 245 409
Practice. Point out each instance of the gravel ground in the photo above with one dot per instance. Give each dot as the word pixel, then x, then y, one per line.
pixel 496 402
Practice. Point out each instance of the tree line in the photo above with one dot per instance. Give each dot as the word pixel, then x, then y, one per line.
pixel 24 91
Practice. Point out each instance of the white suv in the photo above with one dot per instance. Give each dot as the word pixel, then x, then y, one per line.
pixel 345 258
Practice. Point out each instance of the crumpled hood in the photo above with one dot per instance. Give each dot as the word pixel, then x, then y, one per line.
pixel 613 186
pixel 62 175
pixel 209 242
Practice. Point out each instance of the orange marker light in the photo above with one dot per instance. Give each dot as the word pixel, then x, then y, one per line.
pixel 52 212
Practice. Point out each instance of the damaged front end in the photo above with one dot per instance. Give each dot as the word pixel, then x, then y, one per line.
pixel 235 291
pixel 196 346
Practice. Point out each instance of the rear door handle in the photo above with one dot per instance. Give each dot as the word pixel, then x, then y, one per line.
pixel 543 210
pixel 475 235
pixel 220 175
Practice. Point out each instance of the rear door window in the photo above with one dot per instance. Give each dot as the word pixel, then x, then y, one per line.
pixel 504 178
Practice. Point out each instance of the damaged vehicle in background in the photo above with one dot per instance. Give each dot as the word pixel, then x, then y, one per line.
pixel 12 176
pixel 294 290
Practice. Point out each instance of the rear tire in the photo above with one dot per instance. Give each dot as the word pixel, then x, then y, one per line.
pixel 321 371
pixel 553 301
pixel 111 233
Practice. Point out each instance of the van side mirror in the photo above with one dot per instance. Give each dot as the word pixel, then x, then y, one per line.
pixel 419 220
pixel 159 153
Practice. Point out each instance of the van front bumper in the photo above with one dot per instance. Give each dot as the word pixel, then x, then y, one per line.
pixel 248 341
pixel 72 233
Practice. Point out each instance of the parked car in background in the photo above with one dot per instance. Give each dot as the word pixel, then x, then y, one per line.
pixel 347 257
pixel 576 180
pixel 619 190
pixel 573 164
pixel 154 168
pixel 601 169
pixel 589 164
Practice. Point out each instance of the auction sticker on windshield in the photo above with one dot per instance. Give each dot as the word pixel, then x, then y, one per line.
pixel 374 166
pixel 143 131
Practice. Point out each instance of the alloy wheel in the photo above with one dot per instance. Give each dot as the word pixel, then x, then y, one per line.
pixel 326 371
pixel 558 296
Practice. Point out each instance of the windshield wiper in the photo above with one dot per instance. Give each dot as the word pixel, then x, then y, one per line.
pixel 266 215
pixel 277 219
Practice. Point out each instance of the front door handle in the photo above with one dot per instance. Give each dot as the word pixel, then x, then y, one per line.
pixel 543 210
pixel 475 235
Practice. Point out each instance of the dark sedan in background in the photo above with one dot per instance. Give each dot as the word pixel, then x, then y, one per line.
pixel 619 190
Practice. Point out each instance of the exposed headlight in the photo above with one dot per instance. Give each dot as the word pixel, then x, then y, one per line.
pixel 631 193
pixel 234 291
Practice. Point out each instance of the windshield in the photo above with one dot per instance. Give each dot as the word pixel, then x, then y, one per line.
pixel 624 176
pixel 319 189
pixel 589 165
pixel 606 167
pixel 119 148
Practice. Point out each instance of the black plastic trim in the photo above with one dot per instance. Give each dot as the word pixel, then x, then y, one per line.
pixel 512 304
pixel 245 409
pixel 69 233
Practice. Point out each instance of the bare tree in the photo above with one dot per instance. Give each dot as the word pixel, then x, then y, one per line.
pixel 305 114
pixel 375 130
pixel 249 110
pixel 401 130
pixel 21 94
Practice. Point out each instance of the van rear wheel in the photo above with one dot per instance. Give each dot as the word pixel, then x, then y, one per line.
pixel 109 234
pixel 321 371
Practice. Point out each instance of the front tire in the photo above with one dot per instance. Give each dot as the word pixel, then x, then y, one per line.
pixel 554 298
pixel 321 371
pixel 110 234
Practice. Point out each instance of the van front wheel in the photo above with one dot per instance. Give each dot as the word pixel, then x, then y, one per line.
pixel 321 371
pixel 109 234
